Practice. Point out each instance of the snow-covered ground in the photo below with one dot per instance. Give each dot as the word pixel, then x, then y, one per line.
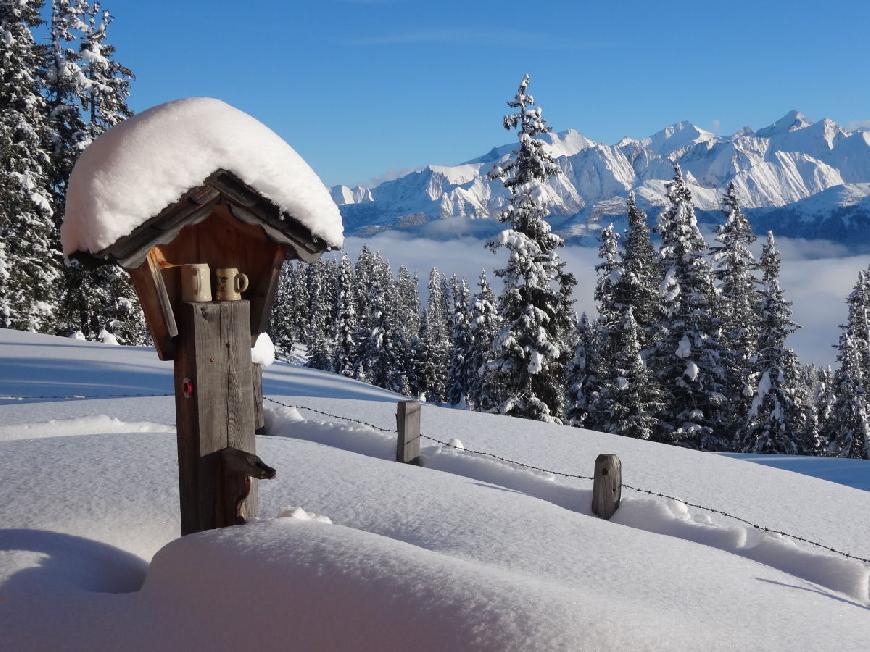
pixel 465 553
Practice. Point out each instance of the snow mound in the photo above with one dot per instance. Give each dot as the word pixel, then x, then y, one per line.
pixel 263 352
pixel 140 166
pixel 108 338
pixel 299 514
pixel 337 588
pixel 76 426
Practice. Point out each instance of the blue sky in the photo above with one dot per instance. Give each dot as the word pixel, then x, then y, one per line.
pixel 364 87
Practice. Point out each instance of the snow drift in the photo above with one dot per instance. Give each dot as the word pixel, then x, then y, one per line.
pixel 464 553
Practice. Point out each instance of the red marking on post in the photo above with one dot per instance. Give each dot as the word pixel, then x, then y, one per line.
pixel 187 387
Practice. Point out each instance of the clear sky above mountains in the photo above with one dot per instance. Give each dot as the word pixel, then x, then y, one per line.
pixel 365 87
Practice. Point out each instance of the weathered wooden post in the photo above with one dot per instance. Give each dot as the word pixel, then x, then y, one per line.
pixel 259 417
pixel 607 485
pixel 408 426
pixel 220 234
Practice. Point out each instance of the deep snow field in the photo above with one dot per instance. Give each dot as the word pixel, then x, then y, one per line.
pixel 354 551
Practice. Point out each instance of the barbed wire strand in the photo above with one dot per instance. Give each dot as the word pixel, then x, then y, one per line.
pixel 712 510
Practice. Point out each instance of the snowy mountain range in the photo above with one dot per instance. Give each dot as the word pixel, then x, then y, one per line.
pixel 797 177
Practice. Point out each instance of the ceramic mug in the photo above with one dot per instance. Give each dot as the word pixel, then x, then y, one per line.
pixel 196 283
pixel 230 284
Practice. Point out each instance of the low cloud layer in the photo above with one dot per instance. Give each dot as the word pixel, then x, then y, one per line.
pixel 816 277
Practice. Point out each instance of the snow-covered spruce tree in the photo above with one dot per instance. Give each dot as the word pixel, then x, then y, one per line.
pixel 29 299
pixel 530 353
pixel 396 357
pixel 641 276
pixel 362 280
pixel 386 349
pixel 290 310
pixel 420 369
pixel 433 352
pixel 104 298
pixel 824 399
pixel 806 422
pixel 461 346
pixel 634 398
pixel 409 326
pixel 280 329
pixel 345 322
pixel 773 423
pixel 409 302
pixel 583 383
pixel 66 87
pixel 317 336
pixel 687 361
pixel 485 325
pixel 739 300
pixel 608 327
pixel 109 80
pixel 300 299
pixel 848 427
pixel 857 324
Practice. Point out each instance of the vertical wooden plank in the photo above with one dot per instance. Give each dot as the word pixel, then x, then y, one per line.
pixel 408 427
pixel 215 354
pixel 607 485
pixel 236 327
pixel 210 391
pixel 187 423
pixel 257 377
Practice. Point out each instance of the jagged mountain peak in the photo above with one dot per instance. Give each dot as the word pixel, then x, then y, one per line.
pixel 791 121
pixel 679 136
pixel 789 161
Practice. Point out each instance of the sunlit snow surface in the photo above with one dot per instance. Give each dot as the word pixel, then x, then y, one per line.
pixel 464 553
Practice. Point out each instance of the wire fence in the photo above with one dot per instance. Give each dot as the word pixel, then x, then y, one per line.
pixel 524 465
pixel 486 454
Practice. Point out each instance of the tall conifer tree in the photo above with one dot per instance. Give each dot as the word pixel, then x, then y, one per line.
pixel 739 301
pixel 634 399
pixel 583 383
pixel 774 423
pixel 28 297
pixel 687 362
pixel 638 284
pixel 485 324
pixel 531 352
pixel 345 326
pixel 461 345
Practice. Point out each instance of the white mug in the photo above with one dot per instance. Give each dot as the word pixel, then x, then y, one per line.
pixel 196 283
pixel 230 284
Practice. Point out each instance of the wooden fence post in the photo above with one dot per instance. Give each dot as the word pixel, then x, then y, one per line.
pixel 607 485
pixel 408 425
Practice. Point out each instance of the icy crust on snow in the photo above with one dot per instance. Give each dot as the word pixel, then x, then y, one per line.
pixel 137 168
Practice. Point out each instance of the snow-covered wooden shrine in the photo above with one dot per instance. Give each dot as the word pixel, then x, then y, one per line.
pixel 190 196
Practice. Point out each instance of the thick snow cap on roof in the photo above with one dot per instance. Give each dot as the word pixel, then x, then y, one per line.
pixel 140 166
